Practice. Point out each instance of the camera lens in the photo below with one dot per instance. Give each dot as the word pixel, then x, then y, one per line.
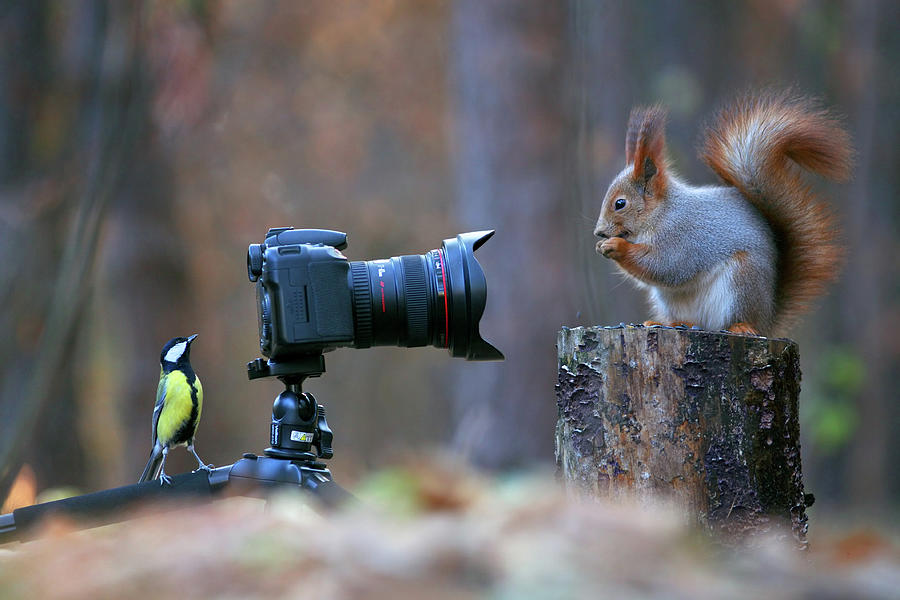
pixel 433 299
pixel 391 301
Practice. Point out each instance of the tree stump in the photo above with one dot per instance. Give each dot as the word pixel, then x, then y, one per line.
pixel 702 420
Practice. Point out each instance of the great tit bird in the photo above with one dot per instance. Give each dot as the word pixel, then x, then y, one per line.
pixel 179 399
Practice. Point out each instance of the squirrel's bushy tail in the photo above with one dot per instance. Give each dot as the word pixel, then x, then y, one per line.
pixel 755 145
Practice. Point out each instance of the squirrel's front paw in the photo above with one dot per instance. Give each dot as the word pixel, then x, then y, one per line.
pixel 613 248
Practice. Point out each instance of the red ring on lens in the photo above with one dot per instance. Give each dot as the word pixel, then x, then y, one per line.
pixel 446 311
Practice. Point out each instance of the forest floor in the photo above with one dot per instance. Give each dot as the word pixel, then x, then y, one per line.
pixel 436 531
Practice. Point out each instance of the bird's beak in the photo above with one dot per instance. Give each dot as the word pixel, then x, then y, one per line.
pixel 191 338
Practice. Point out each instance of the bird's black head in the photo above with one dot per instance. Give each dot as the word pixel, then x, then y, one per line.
pixel 177 351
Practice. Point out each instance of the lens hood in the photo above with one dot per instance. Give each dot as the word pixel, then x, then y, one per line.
pixel 467 296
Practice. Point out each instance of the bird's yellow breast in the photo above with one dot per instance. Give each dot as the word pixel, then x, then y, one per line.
pixel 178 408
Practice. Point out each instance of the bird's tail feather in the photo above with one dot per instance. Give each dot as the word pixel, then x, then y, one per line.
pixel 151 471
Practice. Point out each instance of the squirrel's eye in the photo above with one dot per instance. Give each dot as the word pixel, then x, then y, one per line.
pixel 620 203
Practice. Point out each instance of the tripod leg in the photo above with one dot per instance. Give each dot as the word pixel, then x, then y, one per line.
pixel 203 466
pixel 163 478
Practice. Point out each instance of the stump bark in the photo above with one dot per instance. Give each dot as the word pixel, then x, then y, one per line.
pixel 702 420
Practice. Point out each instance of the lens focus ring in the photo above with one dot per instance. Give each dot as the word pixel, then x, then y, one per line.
pixel 362 304
pixel 416 300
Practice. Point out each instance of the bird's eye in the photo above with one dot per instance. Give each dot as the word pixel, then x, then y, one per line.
pixel 620 203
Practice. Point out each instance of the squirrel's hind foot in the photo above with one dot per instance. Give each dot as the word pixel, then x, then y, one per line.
pixel 743 328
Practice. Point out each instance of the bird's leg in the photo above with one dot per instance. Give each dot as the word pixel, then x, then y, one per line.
pixel 202 467
pixel 163 478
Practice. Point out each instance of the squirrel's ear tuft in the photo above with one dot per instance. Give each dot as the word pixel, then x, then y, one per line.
pixel 645 146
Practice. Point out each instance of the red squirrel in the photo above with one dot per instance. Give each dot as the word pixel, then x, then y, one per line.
pixel 748 256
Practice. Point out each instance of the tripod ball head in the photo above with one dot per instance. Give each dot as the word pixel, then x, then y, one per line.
pixel 298 424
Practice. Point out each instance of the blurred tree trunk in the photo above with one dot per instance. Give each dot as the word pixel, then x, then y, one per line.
pixel 868 469
pixel 36 211
pixel 510 142
pixel 596 40
pixel 142 300
pixel 78 141
pixel 146 301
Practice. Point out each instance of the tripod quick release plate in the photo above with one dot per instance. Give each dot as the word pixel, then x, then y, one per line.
pixel 307 366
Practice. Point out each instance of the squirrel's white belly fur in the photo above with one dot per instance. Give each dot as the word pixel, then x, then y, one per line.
pixel 707 300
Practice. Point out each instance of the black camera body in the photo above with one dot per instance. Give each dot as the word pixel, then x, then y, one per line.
pixel 304 300
pixel 312 299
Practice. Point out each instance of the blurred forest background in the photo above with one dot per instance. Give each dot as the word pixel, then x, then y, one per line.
pixel 143 146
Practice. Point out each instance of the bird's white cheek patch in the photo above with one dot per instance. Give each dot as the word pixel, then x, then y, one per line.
pixel 175 352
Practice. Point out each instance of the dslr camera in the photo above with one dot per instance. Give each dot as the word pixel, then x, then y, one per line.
pixel 312 299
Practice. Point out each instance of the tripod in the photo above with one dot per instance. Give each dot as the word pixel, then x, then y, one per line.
pixel 298 427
